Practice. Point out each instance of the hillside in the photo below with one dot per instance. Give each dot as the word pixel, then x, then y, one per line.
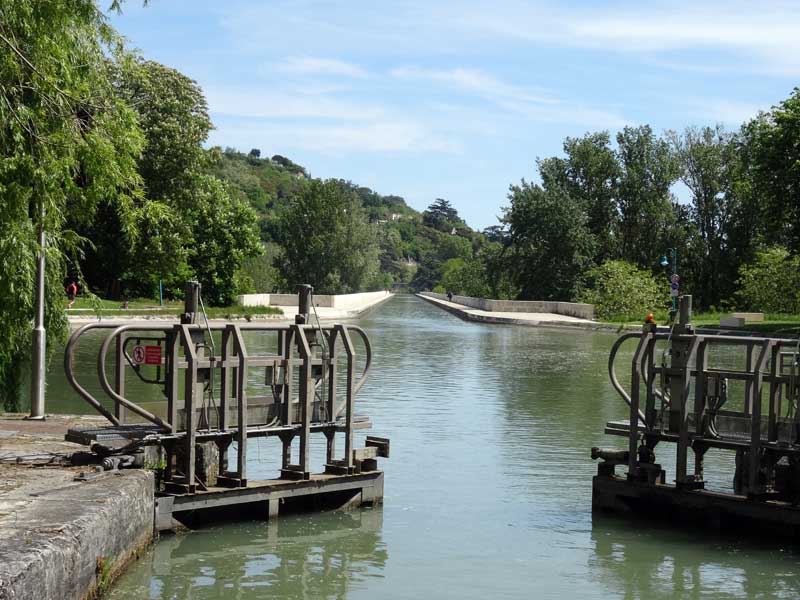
pixel 413 245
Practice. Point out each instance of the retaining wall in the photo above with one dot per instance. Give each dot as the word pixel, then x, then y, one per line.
pixel 340 301
pixel 572 309
pixel 68 540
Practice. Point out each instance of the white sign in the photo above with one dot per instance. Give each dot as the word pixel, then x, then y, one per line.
pixel 138 355
pixel 675 279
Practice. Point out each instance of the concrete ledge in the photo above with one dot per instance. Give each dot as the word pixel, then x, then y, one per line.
pixel 340 301
pixel 345 306
pixel 572 309
pixel 65 539
pixel 526 319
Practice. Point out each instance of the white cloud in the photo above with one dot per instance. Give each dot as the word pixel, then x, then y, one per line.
pixel 473 80
pixel 309 65
pixel 390 136
pixel 764 34
pixel 519 100
pixel 267 103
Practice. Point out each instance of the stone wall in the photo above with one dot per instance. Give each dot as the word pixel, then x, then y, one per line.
pixel 572 309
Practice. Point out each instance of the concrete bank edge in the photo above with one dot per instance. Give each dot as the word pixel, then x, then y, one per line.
pixel 467 316
pixel 74 541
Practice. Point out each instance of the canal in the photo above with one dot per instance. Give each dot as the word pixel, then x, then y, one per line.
pixel 488 491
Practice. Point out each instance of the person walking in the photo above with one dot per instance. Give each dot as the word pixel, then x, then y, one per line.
pixel 72 291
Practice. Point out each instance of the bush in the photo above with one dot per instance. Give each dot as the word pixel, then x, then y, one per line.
pixel 620 291
pixel 771 283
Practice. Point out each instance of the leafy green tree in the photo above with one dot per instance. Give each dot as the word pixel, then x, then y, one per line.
pixel 590 174
pixel 620 291
pixel 550 246
pixel 771 283
pixel 453 246
pixel 441 215
pixel 647 170
pixel 466 277
pixel 772 155
pixel 327 240
pixel 705 158
pixel 66 141
pixel 193 226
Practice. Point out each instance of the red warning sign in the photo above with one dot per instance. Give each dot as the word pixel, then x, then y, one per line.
pixel 152 355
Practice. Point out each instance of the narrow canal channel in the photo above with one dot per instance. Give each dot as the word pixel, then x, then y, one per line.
pixel 488 490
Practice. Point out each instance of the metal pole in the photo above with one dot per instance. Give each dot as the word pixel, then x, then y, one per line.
pixel 674 272
pixel 39 334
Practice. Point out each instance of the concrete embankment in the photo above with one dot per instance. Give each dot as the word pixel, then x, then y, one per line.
pixel 329 308
pixel 510 312
pixel 63 536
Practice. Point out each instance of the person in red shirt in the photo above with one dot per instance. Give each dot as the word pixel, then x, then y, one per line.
pixel 72 291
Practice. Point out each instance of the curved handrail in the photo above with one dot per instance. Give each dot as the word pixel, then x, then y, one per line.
pixel 69 355
pixel 612 374
pixel 101 372
pixel 368 348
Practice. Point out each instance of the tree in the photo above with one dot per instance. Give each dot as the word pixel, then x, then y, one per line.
pixel 590 174
pixel 550 245
pixel 772 157
pixel 620 291
pixel 705 159
pixel 254 153
pixel 441 215
pixel 193 226
pixel 66 142
pixel 771 282
pixel 647 170
pixel 327 240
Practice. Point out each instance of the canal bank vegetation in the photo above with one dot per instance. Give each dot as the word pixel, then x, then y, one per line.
pixel 104 150
pixel 603 224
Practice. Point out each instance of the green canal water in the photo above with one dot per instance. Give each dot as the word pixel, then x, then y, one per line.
pixel 488 491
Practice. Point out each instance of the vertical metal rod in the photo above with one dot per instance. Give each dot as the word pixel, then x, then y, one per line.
pixel 38 353
pixel 119 377
pixel 682 397
pixel 350 395
pixel 241 401
pixel 306 396
pixel 191 389
pixel 754 486
pixel 633 434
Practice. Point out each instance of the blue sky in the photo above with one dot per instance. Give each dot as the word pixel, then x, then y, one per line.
pixel 453 99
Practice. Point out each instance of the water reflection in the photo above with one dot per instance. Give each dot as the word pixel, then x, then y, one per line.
pixel 635 559
pixel 320 556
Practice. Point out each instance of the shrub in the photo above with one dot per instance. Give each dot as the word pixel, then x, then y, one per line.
pixel 620 291
pixel 771 283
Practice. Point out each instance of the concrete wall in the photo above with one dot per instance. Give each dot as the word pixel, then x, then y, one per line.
pixel 572 309
pixel 341 301
pixel 70 539
pixel 253 300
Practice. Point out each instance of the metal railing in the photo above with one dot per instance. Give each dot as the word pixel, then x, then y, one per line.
pixel 302 373
pixel 686 402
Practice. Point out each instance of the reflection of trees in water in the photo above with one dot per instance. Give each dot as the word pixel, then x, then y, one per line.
pixel 639 560
pixel 303 557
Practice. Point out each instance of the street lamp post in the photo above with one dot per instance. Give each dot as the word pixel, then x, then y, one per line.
pixel 39 335
pixel 674 279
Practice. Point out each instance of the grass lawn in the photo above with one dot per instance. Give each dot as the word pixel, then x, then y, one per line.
pixel 773 323
pixel 146 306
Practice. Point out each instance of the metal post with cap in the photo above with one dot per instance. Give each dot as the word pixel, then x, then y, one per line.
pixel 38 354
